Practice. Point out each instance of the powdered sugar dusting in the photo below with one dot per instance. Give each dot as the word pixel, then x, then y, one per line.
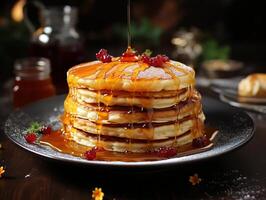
pixel 234 185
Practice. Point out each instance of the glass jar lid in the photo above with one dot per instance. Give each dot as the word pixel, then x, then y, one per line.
pixel 33 68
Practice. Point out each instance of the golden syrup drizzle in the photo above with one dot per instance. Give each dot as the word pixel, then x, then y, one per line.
pixel 177 125
pixel 131 124
pixel 177 110
pixel 182 69
pixel 64 118
pixel 116 76
pixel 130 100
pixel 120 71
pixel 190 73
pixel 128 24
pixel 150 113
pixel 129 56
pixel 98 121
pixel 70 105
pixel 195 112
pixel 149 132
pixel 113 79
pixel 101 115
pixel 197 127
pixel 101 75
pixel 85 70
pixel 108 97
pixel 190 91
pixel 93 70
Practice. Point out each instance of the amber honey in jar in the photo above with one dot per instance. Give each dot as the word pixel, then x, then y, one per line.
pixel 32 81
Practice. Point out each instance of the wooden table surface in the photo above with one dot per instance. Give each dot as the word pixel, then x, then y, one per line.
pixel 237 175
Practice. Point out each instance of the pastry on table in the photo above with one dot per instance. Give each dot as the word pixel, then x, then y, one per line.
pixel 253 85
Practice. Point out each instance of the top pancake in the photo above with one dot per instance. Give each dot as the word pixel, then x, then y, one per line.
pixel 131 76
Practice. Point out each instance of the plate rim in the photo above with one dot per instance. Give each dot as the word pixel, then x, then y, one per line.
pixel 250 107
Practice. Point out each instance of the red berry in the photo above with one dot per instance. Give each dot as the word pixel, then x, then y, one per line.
pixel 103 56
pixel 145 59
pixel 164 58
pixel 91 154
pixel 46 130
pixel 30 137
pixel 156 61
pixel 166 152
pixel 101 53
pixel 200 142
pixel 106 58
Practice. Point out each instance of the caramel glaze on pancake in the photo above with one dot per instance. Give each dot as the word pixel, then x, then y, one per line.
pixel 130 76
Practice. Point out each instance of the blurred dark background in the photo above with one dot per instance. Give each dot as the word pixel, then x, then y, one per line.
pixel 239 24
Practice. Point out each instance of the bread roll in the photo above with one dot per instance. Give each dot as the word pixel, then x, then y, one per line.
pixel 253 85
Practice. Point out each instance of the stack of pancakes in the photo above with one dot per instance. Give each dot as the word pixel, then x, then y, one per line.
pixel 131 106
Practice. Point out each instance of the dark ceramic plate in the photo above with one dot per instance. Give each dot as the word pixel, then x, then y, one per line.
pixel 232 100
pixel 235 129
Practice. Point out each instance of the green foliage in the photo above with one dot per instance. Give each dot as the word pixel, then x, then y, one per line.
pixel 35 127
pixel 212 50
pixel 145 32
pixel 147 52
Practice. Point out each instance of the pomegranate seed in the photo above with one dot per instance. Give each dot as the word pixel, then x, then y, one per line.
pixel 166 152
pixel 164 58
pixel 30 137
pixel 103 56
pixel 106 58
pixel 156 61
pixel 200 141
pixel 101 53
pixel 46 130
pixel 145 59
pixel 91 154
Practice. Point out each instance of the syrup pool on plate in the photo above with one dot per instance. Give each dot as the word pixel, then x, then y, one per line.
pixel 57 141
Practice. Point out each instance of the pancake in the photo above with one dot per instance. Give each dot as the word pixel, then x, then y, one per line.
pixel 128 105
pixel 119 114
pixel 130 76
pixel 140 131
pixel 146 102
pixel 118 145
